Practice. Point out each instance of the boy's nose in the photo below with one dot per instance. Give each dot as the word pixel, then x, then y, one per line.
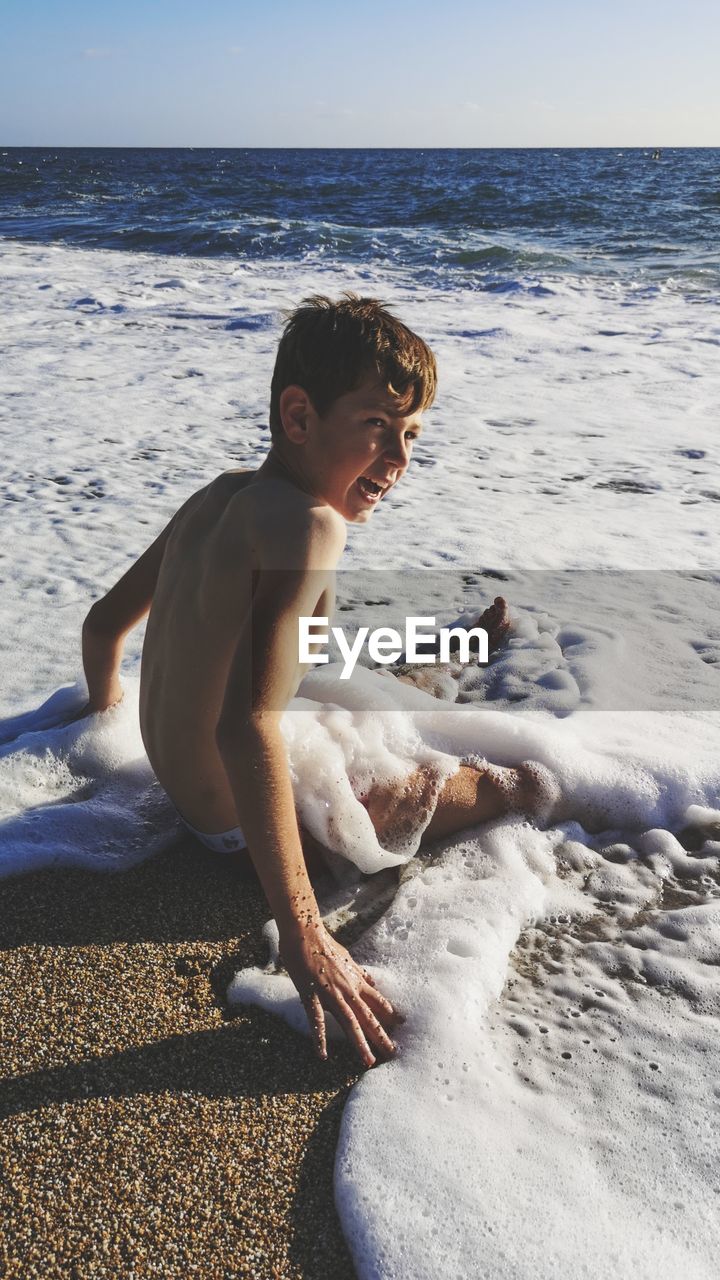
pixel 398 451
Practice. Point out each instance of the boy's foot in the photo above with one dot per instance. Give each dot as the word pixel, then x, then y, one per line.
pixel 496 621
pixel 528 788
pixel 478 792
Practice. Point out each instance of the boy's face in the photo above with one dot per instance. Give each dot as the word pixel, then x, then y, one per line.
pixel 359 449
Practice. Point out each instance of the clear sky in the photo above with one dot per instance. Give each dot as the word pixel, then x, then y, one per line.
pixel 362 73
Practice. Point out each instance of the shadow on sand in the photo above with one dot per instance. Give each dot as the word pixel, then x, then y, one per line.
pixel 208 913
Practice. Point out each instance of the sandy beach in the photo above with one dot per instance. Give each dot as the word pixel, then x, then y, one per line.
pixel 145 1130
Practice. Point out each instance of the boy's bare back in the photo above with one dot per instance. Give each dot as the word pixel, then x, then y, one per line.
pixel 229 537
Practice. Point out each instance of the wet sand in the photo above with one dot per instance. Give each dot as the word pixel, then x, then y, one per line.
pixel 145 1130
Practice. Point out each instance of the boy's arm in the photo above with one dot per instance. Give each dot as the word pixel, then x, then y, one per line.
pixel 261 682
pixel 109 621
pixel 114 615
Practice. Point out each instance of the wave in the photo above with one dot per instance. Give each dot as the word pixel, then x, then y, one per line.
pixel 463 212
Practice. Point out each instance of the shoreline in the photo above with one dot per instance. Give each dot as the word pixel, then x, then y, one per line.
pixel 146 1130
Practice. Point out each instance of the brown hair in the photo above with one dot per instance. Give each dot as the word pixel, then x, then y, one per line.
pixel 328 348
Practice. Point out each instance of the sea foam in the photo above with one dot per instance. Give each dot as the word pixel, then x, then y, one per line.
pixel 552 1103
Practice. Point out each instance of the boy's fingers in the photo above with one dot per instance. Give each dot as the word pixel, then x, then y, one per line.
pixel 377 1001
pixel 372 1027
pixel 354 1031
pixel 316 1018
pixel 381 1040
pixel 381 1007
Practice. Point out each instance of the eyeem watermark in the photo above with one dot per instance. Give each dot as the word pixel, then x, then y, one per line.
pixel 385 644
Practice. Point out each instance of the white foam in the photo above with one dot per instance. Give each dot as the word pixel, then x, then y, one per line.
pixel 480 1149
pixel 79 794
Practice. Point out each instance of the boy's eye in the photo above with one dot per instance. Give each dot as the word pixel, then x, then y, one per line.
pixel 411 435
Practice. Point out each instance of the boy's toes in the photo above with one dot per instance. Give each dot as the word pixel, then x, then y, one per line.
pixel 495 620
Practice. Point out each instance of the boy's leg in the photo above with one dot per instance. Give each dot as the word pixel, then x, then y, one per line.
pixel 476 793
pixel 472 795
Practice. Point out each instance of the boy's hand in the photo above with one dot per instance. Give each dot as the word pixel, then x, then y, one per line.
pixel 103 702
pixel 328 978
pixel 94 705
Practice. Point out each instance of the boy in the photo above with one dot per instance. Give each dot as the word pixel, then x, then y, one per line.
pixel 226 583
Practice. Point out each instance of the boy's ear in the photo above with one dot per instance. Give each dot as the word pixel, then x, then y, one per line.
pixel 295 409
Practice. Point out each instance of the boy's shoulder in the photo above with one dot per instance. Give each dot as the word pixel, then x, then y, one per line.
pixel 288 524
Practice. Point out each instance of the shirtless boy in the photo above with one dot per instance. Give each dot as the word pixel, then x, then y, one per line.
pixel 225 584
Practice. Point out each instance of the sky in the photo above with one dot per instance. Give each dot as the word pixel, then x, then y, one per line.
pixel 295 73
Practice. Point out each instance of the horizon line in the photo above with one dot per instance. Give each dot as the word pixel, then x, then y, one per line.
pixel 179 146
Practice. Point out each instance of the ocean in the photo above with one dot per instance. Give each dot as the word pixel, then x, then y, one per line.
pixel 478 219
pixel 553 1106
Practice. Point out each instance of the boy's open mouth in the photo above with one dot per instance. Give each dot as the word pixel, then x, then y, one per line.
pixel 371 490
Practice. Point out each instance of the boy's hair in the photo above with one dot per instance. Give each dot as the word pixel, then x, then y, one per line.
pixel 328 348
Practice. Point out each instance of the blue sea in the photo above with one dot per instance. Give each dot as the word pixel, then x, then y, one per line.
pixel 479 219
